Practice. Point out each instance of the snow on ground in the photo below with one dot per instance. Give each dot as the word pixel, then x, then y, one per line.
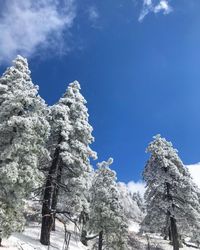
pixel 163 244
pixel 134 227
pixel 29 239
pixel 154 240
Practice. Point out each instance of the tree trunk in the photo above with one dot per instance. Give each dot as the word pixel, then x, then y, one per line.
pixel 47 222
pixel 55 196
pixel 53 228
pixel 167 232
pixel 47 216
pixel 100 240
pixel 170 235
pixel 148 242
pixel 83 218
pixel 46 213
pixel 84 240
pixel 174 234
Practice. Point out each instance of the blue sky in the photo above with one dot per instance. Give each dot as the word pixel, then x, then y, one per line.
pixel 137 61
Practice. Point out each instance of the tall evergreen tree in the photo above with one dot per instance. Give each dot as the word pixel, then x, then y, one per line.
pixel 70 151
pixel 60 128
pixel 171 196
pixel 77 166
pixel 23 132
pixel 106 214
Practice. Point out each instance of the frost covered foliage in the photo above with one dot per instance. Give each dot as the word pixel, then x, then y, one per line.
pixel 11 218
pixel 73 133
pixel 106 212
pixel 139 199
pixel 23 132
pixel 170 192
pixel 132 203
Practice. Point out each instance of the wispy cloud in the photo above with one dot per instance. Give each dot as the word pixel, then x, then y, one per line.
pixel 93 13
pixel 25 25
pixel 135 186
pixel 155 7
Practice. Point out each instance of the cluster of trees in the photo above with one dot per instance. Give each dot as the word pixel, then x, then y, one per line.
pixel 46 151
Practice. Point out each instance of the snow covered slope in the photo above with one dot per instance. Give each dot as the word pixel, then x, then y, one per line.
pixel 29 240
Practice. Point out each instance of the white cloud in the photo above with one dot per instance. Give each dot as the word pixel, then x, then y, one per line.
pixel 155 7
pixel 26 25
pixel 138 186
pixel 163 6
pixel 93 13
pixel 195 172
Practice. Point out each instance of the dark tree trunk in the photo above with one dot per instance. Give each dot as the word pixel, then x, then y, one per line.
pixel 0 242
pixel 47 215
pixel 100 241
pixel 83 218
pixel 53 228
pixel 148 243
pixel 170 235
pixel 55 195
pixel 47 221
pixel 174 234
pixel 167 232
pixel 84 239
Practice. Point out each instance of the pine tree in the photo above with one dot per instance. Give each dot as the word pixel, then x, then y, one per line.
pixel 106 214
pixel 171 196
pixel 59 133
pixel 23 133
pixel 77 166
pixel 70 166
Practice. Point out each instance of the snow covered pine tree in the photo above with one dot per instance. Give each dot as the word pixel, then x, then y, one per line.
pixel 70 166
pixel 171 195
pixel 106 214
pixel 23 131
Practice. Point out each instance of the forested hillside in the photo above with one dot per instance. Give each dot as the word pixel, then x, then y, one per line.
pixel 55 194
